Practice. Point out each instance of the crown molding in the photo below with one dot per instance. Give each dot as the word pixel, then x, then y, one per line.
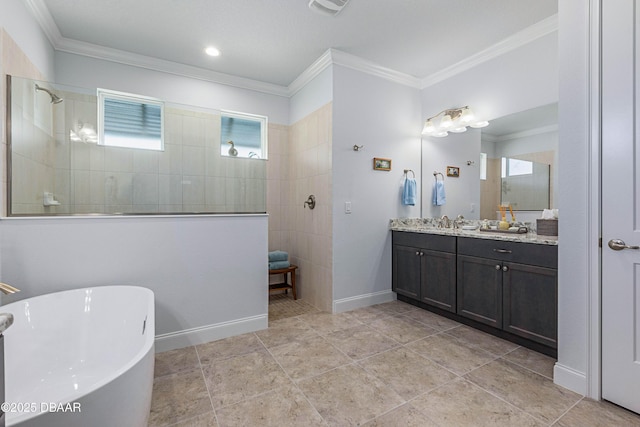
pixel 528 132
pixel 41 13
pixel 529 34
pixel 332 56
pixel 355 62
pixel 156 64
pixel 310 73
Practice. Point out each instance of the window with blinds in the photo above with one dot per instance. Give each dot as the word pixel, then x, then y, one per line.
pixel 243 135
pixel 130 121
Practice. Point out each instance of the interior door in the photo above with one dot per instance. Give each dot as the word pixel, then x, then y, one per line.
pixel 621 203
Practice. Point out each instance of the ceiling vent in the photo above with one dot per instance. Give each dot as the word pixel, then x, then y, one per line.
pixel 327 7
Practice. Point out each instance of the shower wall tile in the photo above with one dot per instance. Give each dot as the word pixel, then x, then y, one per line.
pixel 170 191
pixel 216 191
pixel 193 131
pixel 96 187
pixel 118 190
pixel 145 189
pixel 193 190
pixel 146 161
pixel 118 159
pixel 193 160
pixel 170 161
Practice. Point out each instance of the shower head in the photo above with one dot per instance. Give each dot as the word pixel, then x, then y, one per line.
pixel 55 99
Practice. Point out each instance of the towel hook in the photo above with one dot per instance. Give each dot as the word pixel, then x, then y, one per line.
pixel 406 171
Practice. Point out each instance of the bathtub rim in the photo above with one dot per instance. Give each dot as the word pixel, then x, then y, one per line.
pixel 149 346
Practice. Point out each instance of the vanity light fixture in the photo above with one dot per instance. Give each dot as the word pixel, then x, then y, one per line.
pixel 452 120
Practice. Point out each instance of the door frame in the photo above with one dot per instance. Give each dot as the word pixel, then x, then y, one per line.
pixel 594 291
pixel 580 120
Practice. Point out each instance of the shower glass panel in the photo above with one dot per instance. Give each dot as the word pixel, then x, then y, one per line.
pixel 56 167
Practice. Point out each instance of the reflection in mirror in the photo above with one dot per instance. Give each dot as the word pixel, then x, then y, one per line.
pixel 530 136
pixel 57 167
pixel 524 184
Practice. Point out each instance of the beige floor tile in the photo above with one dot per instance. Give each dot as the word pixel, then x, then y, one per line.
pixel 178 397
pixel 483 340
pixel 237 378
pixel 204 420
pixel 284 331
pixel 432 320
pixel 589 413
pixel 533 360
pixel 228 347
pixel 369 314
pixel 326 323
pixel 408 373
pixel 396 307
pixel 405 416
pixel 307 358
pixel 349 396
pixel 175 361
pixel 452 353
pixel 361 341
pixel 527 390
pixel 284 407
pixel 402 329
pixel 460 403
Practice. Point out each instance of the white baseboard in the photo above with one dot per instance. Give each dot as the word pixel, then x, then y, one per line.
pixel 570 379
pixel 203 334
pixel 364 300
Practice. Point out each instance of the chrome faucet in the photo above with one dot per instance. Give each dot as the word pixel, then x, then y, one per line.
pixel 8 289
pixel 445 222
pixel 458 221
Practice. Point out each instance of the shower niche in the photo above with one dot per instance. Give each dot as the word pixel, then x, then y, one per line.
pixel 57 165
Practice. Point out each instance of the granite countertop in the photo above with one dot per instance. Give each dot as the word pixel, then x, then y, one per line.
pixel 430 226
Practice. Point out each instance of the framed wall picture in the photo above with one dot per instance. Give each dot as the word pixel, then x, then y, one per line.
pixel 380 164
pixel 453 171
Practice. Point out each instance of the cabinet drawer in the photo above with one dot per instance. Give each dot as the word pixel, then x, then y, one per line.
pixel 524 253
pixel 433 242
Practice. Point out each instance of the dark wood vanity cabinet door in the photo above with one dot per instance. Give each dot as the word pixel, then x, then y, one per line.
pixel 406 271
pixel 530 302
pixel 480 290
pixel 438 279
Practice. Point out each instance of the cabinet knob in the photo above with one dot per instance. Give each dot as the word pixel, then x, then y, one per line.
pixel 505 268
pixel 498 267
pixel 421 253
pixel 417 253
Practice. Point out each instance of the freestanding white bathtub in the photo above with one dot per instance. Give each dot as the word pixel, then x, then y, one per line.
pixel 81 358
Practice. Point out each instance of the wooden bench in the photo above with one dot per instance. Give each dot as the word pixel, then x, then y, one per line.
pixel 285 285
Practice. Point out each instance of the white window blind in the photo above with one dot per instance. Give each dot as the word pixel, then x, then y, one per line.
pixel 130 121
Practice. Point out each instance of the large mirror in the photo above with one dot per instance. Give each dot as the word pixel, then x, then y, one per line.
pixel 519 161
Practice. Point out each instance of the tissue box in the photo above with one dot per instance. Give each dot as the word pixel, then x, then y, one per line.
pixel 547 227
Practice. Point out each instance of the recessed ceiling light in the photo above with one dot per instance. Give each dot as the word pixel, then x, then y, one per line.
pixel 212 51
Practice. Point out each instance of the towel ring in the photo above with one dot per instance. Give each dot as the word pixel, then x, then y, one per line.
pixel 435 175
pixel 406 171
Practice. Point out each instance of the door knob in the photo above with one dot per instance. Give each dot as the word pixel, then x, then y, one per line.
pixel 618 245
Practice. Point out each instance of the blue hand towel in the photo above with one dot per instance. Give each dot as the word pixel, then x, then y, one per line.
pixel 439 197
pixel 278 256
pixel 277 265
pixel 409 192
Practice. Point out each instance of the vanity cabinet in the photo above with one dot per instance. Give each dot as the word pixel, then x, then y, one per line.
pixel 510 286
pixel 424 268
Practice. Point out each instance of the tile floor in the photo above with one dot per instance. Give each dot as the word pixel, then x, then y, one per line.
pixel 387 365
